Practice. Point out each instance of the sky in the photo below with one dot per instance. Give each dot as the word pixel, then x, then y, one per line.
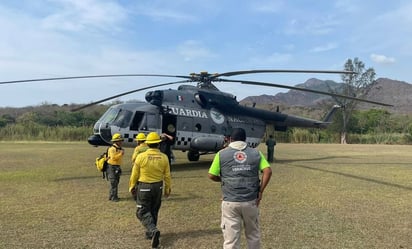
pixel 59 38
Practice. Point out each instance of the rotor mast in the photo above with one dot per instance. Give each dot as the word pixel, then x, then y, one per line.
pixel 204 80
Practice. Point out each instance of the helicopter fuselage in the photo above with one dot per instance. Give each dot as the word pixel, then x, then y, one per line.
pixel 196 125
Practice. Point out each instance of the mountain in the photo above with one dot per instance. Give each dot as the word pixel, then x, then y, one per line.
pixel 396 93
pixel 297 98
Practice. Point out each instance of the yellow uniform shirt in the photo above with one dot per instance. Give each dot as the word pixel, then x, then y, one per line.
pixel 139 149
pixel 149 167
pixel 115 155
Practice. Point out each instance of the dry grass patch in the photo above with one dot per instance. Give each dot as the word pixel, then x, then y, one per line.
pixel 320 196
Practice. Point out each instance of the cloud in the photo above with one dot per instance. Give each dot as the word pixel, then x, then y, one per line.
pixel 312 26
pixel 382 59
pixel 347 6
pixel 324 48
pixel 181 11
pixel 78 15
pixel 391 28
pixel 268 6
pixel 273 59
pixel 81 37
pixel 192 50
pixel 398 15
pixel 163 14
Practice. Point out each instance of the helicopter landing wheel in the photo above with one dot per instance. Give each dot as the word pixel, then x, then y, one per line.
pixel 193 155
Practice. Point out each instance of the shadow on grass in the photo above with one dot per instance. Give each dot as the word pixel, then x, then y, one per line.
pixel 355 177
pixel 203 165
pixel 168 239
pixel 190 166
pixel 179 198
pixel 173 198
pixel 306 159
pixel 73 178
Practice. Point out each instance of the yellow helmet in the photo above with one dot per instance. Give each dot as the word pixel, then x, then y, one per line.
pixel 153 138
pixel 140 137
pixel 117 137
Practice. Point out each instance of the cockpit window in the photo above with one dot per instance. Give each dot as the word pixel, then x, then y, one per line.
pixel 123 118
pixel 109 116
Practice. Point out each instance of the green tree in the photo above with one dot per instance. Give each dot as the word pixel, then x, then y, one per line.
pixel 6 119
pixel 355 85
pixel 370 121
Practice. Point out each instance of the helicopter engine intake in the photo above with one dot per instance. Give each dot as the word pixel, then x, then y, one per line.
pixel 207 143
pixel 154 97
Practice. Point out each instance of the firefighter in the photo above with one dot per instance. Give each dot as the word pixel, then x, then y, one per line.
pixel 151 174
pixel 115 158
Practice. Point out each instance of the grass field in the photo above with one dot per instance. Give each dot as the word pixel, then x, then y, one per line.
pixel 320 196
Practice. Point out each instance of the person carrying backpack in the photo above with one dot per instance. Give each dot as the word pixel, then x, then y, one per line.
pixel 115 158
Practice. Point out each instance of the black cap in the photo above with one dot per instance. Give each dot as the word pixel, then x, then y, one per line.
pixel 238 134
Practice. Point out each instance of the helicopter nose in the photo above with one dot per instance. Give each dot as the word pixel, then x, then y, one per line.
pixel 96 140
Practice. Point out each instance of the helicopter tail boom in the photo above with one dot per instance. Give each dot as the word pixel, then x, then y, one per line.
pixel 329 116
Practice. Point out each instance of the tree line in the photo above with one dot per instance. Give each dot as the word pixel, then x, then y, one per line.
pixel 48 122
pixel 54 123
pixel 374 126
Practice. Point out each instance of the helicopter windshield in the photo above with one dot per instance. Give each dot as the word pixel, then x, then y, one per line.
pixel 123 118
pixel 109 116
pixel 118 117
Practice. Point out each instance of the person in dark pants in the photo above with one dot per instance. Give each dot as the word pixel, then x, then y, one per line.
pixel 270 143
pixel 151 174
pixel 166 145
pixel 140 148
pixel 115 157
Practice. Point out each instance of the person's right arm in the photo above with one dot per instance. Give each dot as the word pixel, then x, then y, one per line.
pixel 266 175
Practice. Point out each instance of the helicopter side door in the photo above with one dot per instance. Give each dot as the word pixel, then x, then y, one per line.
pixel 184 132
pixel 169 124
pixel 142 122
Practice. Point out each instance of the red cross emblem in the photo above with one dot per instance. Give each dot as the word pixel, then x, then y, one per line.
pixel 240 156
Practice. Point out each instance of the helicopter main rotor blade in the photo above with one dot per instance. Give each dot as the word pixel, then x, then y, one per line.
pixel 303 89
pixel 94 76
pixel 126 93
pixel 281 71
pixel 193 76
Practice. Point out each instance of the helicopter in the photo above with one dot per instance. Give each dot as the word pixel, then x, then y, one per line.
pixel 200 117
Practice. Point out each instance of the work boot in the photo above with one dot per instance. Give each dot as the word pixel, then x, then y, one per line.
pixel 115 198
pixel 155 238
